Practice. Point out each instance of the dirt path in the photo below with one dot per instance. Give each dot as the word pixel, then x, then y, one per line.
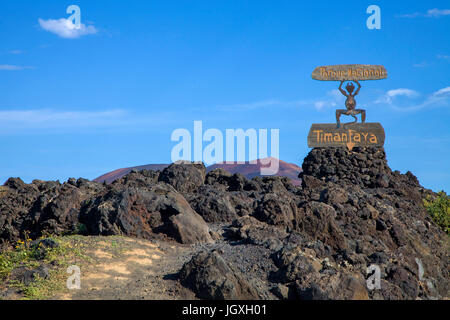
pixel 122 268
pixel 127 268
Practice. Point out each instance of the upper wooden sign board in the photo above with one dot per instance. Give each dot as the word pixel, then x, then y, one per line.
pixel 349 72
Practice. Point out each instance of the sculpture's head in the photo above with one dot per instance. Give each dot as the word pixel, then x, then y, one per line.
pixel 350 87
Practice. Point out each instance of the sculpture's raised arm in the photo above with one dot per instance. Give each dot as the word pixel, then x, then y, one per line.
pixel 342 90
pixel 359 87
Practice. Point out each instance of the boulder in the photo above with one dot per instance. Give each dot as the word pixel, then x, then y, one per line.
pixel 252 231
pixel 277 209
pixel 405 280
pixel 211 277
pixel 184 177
pixel 219 178
pixel 317 220
pixel 143 213
pixel 28 276
pixel 214 205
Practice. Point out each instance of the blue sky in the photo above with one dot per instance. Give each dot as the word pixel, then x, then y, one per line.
pixel 79 104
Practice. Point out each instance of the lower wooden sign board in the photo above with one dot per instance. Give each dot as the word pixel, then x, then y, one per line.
pixel 347 136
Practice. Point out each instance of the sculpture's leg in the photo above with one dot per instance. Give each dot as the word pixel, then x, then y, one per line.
pixel 363 114
pixel 338 116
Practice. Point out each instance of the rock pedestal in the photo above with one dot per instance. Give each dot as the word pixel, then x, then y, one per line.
pixel 365 167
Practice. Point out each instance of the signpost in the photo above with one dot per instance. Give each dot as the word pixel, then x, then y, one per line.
pixel 350 134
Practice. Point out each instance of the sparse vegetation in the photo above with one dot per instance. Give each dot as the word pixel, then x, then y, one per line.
pixel 28 256
pixel 117 247
pixel 439 210
pixel 82 229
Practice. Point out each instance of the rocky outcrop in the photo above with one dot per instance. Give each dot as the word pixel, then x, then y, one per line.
pixel 143 213
pixel 366 167
pixel 313 241
pixel 42 207
pixel 135 206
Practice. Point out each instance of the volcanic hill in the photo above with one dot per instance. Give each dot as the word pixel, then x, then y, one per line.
pixel 249 170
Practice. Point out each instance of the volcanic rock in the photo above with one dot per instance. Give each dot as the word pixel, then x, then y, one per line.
pixel 184 177
pixel 253 231
pixel 211 277
pixel 159 209
pixel 313 241
pixel 361 166
pixel 214 205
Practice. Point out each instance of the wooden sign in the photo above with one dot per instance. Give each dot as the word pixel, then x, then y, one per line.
pixel 349 72
pixel 347 136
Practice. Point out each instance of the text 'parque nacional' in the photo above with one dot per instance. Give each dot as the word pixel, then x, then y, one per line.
pixel 348 72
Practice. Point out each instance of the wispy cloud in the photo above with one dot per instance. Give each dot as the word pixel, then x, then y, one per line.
pixel 402 92
pixel 421 64
pixel 438 98
pixel 263 104
pixel 49 120
pixel 9 67
pixel 391 94
pixel 334 96
pixel 50 117
pixel 431 13
pixel 16 51
pixel 442 95
pixel 437 13
pixel 65 28
pixel 424 64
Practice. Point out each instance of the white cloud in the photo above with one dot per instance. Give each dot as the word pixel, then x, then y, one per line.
pixel 8 67
pixel 443 91
pixel 438 98
pixel 443 56
pixel 393 98
pixel 431 13
pixel 388 96
pixel 65 28
pixel 437 13
pixel 402 92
